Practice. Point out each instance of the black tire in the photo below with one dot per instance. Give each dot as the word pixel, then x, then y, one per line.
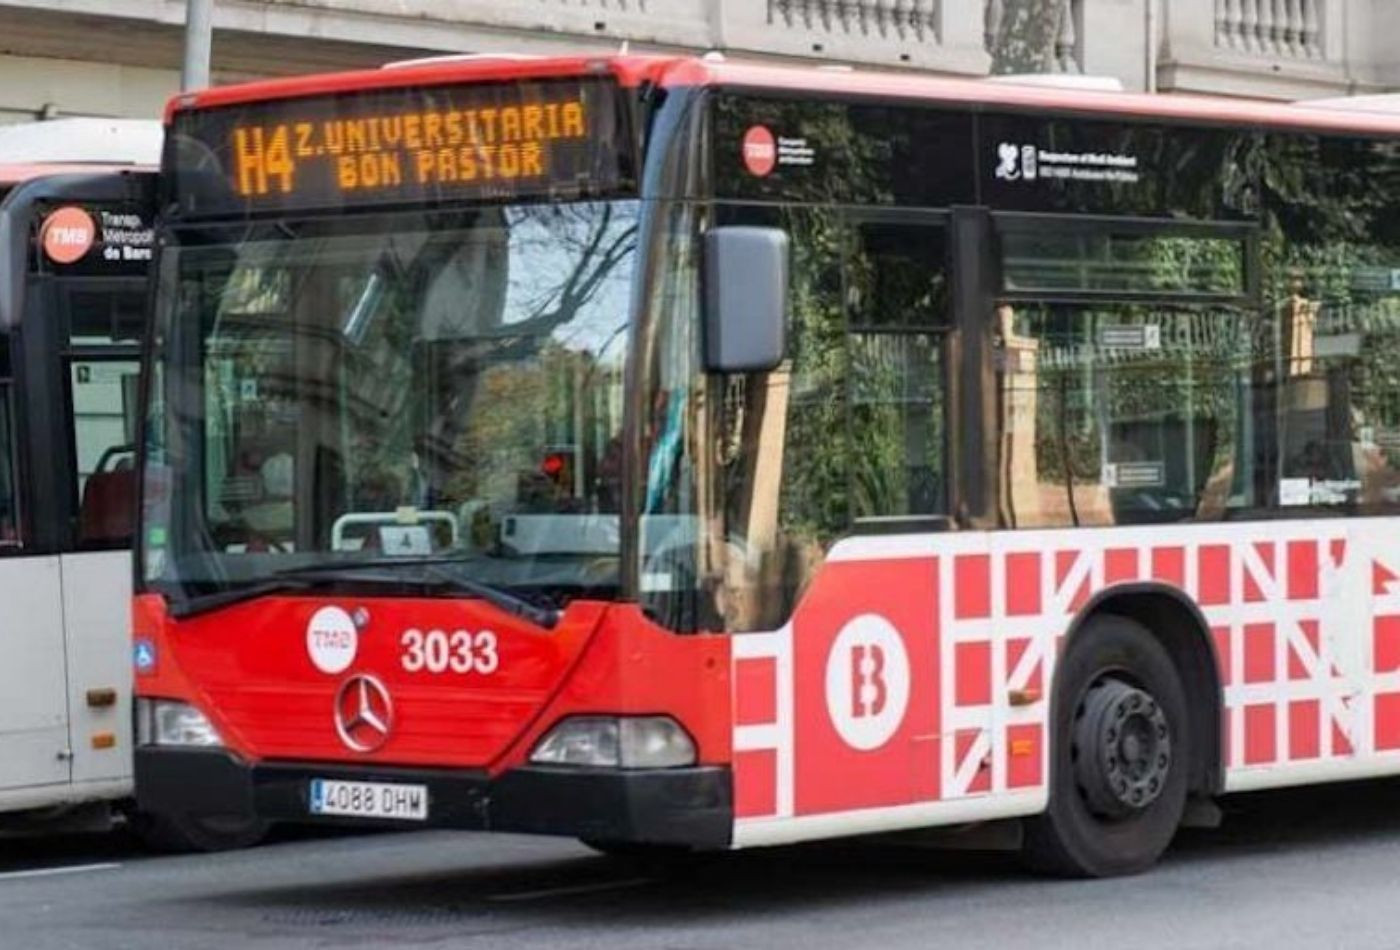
pixel 1113 810
pixel 184 834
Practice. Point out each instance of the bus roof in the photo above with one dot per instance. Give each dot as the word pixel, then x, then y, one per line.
pixel 88 142
pixel 16 174
pixel 817 81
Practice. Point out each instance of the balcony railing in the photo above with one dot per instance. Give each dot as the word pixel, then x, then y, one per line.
pixel 942 35
pixel 1275 28
pixel 918 21
pixel 932 34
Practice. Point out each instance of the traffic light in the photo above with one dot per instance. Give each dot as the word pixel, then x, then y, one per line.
pixel 558 466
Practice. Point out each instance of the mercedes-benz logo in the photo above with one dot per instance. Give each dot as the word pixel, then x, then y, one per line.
pixel 364 713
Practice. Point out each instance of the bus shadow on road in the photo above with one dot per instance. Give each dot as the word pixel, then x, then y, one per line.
pixel 572 888
pixel 1303 819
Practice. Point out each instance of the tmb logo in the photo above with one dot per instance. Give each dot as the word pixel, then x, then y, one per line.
pixel 67 235
pixel 760 151
pixel 867 682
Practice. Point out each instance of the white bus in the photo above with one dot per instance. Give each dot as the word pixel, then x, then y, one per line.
pixel 75 245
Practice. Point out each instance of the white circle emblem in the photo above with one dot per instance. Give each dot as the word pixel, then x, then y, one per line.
pixel 332 640
pixel 867 682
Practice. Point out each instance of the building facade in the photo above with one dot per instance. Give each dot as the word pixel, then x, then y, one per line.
pixel 121 57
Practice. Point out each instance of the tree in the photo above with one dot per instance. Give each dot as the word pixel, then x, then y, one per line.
pixel 1021 34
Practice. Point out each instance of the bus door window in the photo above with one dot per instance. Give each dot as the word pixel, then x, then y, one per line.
pixel 774 478
pixel 897 307
pixel 104 400
pixel 849 431
pixel 103 371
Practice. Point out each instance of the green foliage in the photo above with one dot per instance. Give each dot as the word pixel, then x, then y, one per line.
pixel 816 485
pixel 1024 39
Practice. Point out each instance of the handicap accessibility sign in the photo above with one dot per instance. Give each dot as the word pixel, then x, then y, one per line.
pixel 144 656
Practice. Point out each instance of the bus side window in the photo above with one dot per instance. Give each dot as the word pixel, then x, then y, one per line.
pixel 1123 413
pixel 1330 286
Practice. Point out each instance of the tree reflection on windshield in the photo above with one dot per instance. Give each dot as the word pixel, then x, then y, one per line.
pixel 406 386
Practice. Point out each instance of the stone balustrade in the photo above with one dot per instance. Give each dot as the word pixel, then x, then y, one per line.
pixel 1289 29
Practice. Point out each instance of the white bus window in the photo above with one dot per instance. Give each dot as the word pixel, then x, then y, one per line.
pixel 104 400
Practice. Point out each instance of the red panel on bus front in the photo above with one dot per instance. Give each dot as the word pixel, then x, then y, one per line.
pixel 271 687
pixel 259 680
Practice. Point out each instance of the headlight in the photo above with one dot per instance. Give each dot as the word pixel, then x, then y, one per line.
pixel 170 723
pixel 628 742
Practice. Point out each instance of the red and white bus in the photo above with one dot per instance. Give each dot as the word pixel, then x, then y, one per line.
pixel 674 452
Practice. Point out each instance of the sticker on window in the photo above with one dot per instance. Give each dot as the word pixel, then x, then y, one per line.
pixel 1130 337
pixel 1135 474
pixel 1293 492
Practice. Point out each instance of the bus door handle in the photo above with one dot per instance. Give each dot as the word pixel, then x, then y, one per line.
pixel 102 698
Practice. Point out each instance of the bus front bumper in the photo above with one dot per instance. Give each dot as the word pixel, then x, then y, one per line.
pixel 685 806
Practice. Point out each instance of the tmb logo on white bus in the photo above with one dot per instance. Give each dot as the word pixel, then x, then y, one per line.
pixel 332 640
pixel 67 235
pixel 867 682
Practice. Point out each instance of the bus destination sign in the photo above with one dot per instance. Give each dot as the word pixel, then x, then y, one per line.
pixel 404 146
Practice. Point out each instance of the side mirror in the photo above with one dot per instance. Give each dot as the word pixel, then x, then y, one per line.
pixel 746 299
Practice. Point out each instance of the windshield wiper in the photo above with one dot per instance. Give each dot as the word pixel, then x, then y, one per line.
pixel 184 607
pixel 446 569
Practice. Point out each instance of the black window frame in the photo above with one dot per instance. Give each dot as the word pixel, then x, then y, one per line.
pixel 10 452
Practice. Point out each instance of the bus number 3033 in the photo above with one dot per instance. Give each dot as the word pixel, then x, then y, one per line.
pixel 458 652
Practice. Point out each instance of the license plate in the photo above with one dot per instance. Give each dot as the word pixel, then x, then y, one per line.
pixel 369 800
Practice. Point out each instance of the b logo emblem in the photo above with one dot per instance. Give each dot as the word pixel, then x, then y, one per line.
pixel 867 682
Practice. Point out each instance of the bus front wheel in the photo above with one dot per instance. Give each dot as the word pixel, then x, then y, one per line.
pixel 1120 755
pixel 180 834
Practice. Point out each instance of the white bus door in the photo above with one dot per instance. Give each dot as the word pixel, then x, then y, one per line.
pixel 96 576
pixel 34 747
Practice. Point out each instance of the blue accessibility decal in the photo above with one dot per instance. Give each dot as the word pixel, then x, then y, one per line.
pixel 144 656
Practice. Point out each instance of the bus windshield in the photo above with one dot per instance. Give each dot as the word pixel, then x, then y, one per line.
pixel 424 386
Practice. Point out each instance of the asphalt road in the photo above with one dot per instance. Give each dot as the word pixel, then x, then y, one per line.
pixel 1319 868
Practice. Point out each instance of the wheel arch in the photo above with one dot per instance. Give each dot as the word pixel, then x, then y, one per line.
pixel 1180 626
